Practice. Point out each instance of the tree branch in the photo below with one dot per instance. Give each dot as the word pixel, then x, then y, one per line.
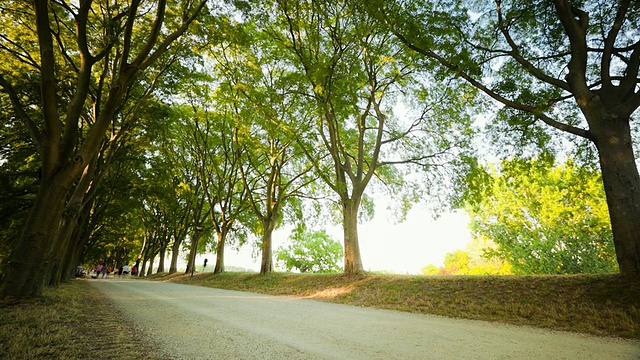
pixel 515 53
pixel 162 48
pixel 76 105
pixel 52 128
pixel 609 43
pixel 24 56
pixel 19 110
pixel 512 104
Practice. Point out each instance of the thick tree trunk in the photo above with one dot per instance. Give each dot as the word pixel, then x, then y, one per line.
pixel 163 252
pixel 143 267
pixel 352 259
pixel 79 241
pixel 191 264
pixel 622 187
pixel 64 236
pixel 219 269
pixel 150 268
pixel 27 273
pixel 62 242
pixel 175 253
pixel 74 251
pixel 266 265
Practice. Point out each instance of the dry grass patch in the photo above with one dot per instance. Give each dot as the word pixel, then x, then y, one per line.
pixel 74 321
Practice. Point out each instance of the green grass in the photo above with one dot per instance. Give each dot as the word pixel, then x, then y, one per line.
pixel 74 321
pixel 607 305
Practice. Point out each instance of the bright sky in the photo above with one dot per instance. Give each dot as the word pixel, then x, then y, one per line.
pixel 401 248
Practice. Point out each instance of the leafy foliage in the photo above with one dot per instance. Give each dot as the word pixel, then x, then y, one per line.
pixel 547 219
pixel 474 260
pixel 312 251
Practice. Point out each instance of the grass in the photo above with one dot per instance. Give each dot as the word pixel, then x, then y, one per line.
pixel 75 321
pixel 605 305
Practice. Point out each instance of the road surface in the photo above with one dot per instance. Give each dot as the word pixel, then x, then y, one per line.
pixel 194 322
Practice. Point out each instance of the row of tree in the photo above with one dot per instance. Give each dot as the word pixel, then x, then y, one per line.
pixel 160 122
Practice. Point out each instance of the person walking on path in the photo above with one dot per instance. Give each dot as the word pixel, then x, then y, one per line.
pixel 98 270
pixel 104 271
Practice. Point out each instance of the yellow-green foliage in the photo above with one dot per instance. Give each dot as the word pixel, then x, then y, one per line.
pixel 472 261
pixel 547 219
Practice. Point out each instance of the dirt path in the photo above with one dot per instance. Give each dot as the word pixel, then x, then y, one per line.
pixel 203 323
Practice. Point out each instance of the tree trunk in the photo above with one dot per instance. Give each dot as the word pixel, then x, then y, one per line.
pixel 266 266
pixel 72 257
pixel 142 268
pixel 163 251
pixel 150 268
pixel 191 264
pixel 79 241
pixel 352 259
pixel 175 253
pixel 622 187
pixel 219 269
pixel 61 248
pixel 26 274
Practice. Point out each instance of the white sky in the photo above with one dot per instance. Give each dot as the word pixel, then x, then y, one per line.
pixel 403 248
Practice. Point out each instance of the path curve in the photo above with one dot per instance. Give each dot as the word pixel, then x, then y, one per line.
pixel 193 322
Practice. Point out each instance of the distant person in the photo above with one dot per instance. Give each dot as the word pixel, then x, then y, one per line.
pixel 104 271
pixel 120 269
pixel 98 270
pixel 80 271
pixel 125 270
pixel 134 270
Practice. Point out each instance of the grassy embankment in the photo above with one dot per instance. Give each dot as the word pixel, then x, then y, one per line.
pixel 65 322
pixel 606 305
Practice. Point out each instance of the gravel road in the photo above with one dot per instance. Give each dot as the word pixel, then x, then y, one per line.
pixel 194 322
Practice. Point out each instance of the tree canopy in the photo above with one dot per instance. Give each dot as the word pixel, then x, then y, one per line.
pixel 310 251
pixel 136 129
pixel 546 218
pixel 569 66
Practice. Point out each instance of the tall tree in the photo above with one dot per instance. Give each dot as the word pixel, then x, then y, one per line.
pixel 205 138
pixel 353 75
pixel 569 65
pixel 310 251
pixel 183 155
pixel 80 37
pixel 274 170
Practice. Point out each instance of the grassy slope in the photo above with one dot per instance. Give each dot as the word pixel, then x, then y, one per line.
pixel 75 320
pixel 606 305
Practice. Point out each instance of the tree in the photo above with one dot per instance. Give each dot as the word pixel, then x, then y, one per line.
pixel 456 262
pixel 474 260
pixel 546 219
pixel 430 270
pixel 570 66
pixel 84 38
pixel 18 181
pixel 312 251
pixel 274 169
pixel 352 72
